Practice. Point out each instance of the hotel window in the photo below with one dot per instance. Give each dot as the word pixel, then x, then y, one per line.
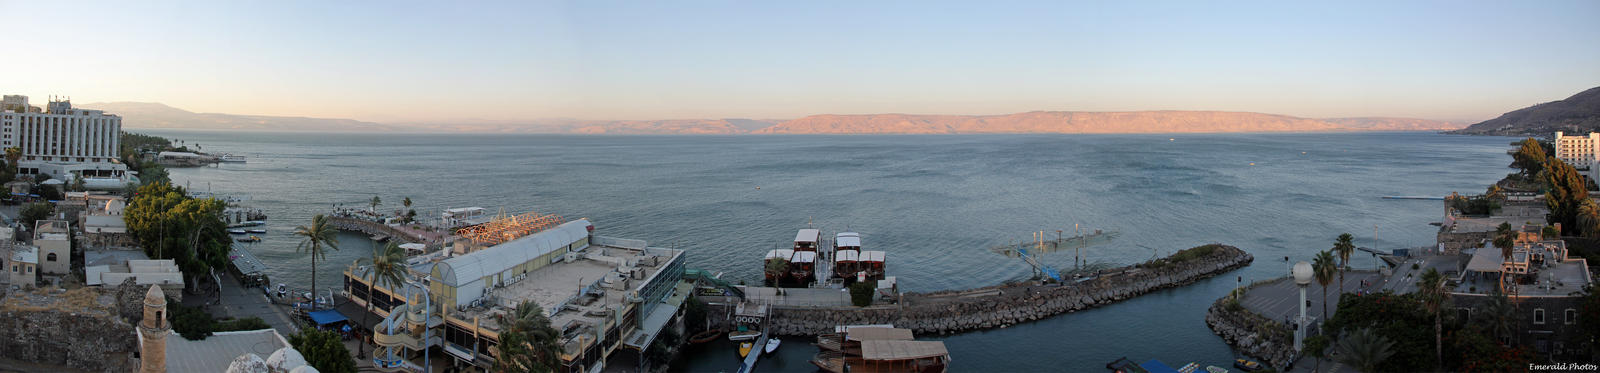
pixel 1538 316
pixel 1572 316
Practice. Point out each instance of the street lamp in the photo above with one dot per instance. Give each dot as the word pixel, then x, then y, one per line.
pixel 1302 278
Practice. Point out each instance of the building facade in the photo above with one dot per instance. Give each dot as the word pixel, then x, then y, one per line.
pixel 605 295
pixel 1579 151
pixel 63 139
pixel 55 250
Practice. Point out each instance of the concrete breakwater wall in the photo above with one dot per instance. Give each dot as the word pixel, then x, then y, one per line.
pixel 1003 305
pixel 1268 341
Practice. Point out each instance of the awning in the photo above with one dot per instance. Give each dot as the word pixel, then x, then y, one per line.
pixel 652 326
pixel 1156 366
pixel 1487 259
pixel 354 312
pixel 325 317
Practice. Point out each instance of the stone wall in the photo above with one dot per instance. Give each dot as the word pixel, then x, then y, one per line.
pixel 1268 341
pixel 82 328
pixel 1004 305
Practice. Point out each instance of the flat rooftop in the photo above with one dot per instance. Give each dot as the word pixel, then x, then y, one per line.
pixel 216 352
pixel 1559 279
pixel 583 291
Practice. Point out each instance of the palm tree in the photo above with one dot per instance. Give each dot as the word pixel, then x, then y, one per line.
pixel 1499 314
pixel 1343 247
pixel 406 201
pixel 320 235
pixel 1589 218
pixel 1364 349
pixel 375 202
pixel 779 268
pixel 1505 239
pixel 529 342
pixel 1324 268
pixel 1433 297
pixel 386 267
pixel 12 155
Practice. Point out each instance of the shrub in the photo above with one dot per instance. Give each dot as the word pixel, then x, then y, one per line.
pixel 191 323
pixel 323 350
pixel 861 293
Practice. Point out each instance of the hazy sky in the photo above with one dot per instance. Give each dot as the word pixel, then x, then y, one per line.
pixel 432 61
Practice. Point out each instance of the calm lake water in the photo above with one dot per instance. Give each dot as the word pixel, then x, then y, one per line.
pixel 935 203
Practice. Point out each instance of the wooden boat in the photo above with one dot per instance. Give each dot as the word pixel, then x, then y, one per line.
pixel 879 349
pixel 743 334
pixel 705 336
pixel 806 239
pixel 781 255
pixel 802 266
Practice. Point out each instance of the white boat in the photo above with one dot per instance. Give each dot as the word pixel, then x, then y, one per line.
pixel 772 345
pixel 237 231
pixel 230 158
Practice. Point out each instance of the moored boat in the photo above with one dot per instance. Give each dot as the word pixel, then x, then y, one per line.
pixel 249 239
pixel 806 239
pixel 772 345
pixel 256 230
pixel 237 231
pixel 802 266
pixel 777 264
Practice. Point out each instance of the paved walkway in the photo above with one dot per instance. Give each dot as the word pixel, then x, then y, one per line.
pixel 1276 300
pixel 797 296
pixel 240 302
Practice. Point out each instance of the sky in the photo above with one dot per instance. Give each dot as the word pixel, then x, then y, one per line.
pixel 403 62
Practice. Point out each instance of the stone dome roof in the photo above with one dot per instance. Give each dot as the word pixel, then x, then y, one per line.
pixel 285 359
pixel 304 369
pixel 248 363
pixel 155 297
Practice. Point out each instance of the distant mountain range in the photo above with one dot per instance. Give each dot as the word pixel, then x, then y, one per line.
pixel 154 115
pixel 1577 114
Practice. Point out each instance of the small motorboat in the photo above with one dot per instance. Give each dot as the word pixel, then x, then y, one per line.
pixel 1246 365
pixel 743 334
pixel 744 348
pixel 772 345
pixel 1215 369
pixel 256 231
pixel 249 239
pixel 237 231
pixel 705 336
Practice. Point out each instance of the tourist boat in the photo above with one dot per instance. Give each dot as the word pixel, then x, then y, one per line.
pixel 872 262
pixel 237 231
pixel 802 266
pixel 772 345
pixel 879 349
pixel 250 223
pixel 230 158
pixel 806 239
pixel 258 231
pixel 774 271
pixel 249 239
pixel 844 263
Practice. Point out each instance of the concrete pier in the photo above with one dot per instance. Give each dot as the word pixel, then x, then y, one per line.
pixel 1003 305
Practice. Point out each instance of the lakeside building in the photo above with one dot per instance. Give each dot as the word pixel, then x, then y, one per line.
pixel 55 251
pixel 62 140
pixel 1579 151
pixel 608 297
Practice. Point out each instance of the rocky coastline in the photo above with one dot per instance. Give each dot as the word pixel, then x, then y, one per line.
pixel 1004 305
pixel 1267 341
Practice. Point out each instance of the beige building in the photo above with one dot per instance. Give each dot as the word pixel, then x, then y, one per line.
pixel 1578 151
pixel 23 266
pixel 55 248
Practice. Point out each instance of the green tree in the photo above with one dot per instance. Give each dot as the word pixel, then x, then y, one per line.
pixel 189 322
pixel 35 212
pixel 1322 265
pixel 317 237
pixel 529 343
pixel 323 350
pixel 1344 246
pixel 1495 193
pixel 386 268
pixel 154 173
pixel 1431 290
pixel 1589 321
pixel 1364 349
pixel 1531 158
pixel 1588 218
pixel 778 268
pixel 1499 315
pixel 375 202
pixel 1566 192
pixel 169 224
pixel 1505 239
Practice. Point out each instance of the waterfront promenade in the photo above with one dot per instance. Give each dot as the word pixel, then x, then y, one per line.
pixel 1276 299
pixel 240 302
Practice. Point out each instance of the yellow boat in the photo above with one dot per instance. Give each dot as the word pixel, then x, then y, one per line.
pixel 744 348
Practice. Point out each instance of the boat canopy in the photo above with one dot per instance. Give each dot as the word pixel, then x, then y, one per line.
pixel 804 257
pixel 847 241
pixel 873 256
pixel 879 334
pixel 808 235
pixel 902 350
pixel 846 256
pixel 784 254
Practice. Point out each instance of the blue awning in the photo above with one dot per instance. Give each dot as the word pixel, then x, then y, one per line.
pixel 1156 366
pixel 325 317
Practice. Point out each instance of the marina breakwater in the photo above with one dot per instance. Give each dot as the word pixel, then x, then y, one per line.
pixel 1255 336
pixel 1004 305
pixel 375 229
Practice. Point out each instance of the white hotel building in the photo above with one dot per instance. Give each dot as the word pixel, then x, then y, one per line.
pixel 1579 151
pixel 61 140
